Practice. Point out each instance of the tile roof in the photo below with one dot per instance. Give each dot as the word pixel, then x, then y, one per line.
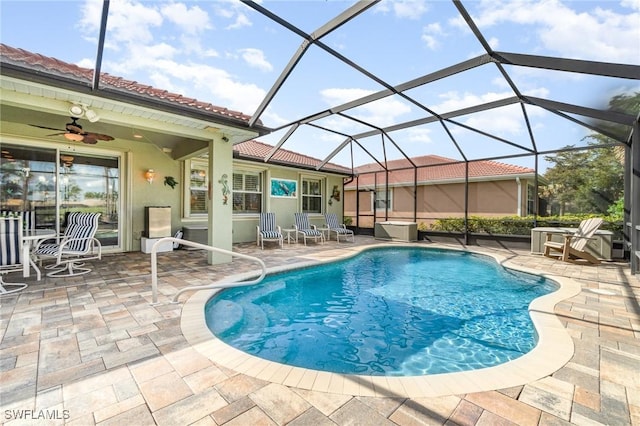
pixel 252 150
pixel 54 66
pixel 441 169
pixel 255 150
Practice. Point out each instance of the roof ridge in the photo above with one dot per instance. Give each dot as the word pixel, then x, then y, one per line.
pixel 284 155
pixel 506 165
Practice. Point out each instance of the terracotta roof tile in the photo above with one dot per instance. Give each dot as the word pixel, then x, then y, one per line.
pixel 259 150
pixel 442 168
pixel 60 68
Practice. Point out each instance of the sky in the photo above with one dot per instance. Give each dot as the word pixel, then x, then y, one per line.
pixel 226 53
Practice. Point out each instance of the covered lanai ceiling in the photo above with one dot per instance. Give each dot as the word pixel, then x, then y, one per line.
pixel 461 97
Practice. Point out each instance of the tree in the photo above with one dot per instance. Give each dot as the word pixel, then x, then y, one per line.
pixel 590 181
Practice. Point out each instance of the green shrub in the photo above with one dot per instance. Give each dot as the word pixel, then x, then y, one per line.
pixel 515 225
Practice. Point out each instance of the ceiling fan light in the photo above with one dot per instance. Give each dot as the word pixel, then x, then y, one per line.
pixel 74 137
pixel 91 115
pixel 76 111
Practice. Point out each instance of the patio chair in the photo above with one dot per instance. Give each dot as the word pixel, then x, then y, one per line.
pixel 268 230
pixel 28 217
pixel 76 246
pixel 306 230
pixel 340 229
pixel 10 252
pixel 573 246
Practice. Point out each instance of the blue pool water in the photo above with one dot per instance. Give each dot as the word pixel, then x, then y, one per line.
pixel 388 311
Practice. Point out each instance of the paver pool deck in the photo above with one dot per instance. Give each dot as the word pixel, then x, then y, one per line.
pixel 94 350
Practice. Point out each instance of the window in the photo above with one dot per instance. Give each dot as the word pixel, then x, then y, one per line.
pixel 51 183
pixel 382 200
pixel 247 192
pixel 531 199
pixel 198 184
pixel 311 195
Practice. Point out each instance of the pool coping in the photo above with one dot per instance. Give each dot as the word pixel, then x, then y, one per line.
pixel 534 365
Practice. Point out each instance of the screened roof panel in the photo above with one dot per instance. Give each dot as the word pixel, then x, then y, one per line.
pixel 318 93
pixel 458 91
pixel 252 57
pixel 426 139
pixel 587 30
pixel 384 112
pixel 593 91
pixel 399 41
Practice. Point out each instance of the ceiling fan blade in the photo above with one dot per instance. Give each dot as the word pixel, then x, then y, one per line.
pixel 76 129
pixel 100 136
pixel 48 128
pixel 89 139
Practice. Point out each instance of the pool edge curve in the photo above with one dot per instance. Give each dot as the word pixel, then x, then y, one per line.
pixel 534 365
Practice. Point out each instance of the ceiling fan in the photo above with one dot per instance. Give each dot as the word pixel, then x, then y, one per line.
pixel 73 132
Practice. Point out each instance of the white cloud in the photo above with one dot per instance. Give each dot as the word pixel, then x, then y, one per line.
pixel 233 10
pixel 506 120
pixel 133 28
pixel 631 4
pixel 214 85
pixel 383 112
pixel 241 21
pixel 430 34
pixel 420 135
pixel 412 9
pixel 599 34
pixel 191 21
pixel 255 58
pixel 129 22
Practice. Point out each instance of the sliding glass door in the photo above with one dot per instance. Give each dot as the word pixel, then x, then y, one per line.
pixel 53 182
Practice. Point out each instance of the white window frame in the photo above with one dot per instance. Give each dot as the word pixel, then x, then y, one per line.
pixel 189 165
pixel 322 182
pixel 531 202
pixel 261 179
pixel 374 196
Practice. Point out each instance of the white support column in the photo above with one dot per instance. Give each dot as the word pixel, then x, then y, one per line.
pixel 220 219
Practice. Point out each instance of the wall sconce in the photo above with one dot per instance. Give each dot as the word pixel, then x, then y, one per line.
pixel 225 139
pixel 67 160
pixel 149 175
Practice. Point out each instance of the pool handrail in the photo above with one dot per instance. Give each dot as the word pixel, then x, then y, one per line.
pixel 154 268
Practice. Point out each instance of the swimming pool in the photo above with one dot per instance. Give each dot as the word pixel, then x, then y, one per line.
pixel 400 311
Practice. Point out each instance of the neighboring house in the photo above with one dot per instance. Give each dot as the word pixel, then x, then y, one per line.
pixel 495 189
pixel 141 146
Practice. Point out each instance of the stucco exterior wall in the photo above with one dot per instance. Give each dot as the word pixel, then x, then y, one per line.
pixel 486 198
pixel 145 156
pixel 244 225
pixel 135 193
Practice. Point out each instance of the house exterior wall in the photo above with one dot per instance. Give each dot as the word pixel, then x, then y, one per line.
pixel 136 193
pixel 166 158
pixel 141 157
pixel 244 225
pixel 486 198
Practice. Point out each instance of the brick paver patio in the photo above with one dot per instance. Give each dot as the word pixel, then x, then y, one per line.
pixel 93 350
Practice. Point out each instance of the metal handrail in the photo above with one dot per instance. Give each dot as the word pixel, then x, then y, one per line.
pixel 154 268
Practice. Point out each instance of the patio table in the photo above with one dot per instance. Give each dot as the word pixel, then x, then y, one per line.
pixel 30 238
